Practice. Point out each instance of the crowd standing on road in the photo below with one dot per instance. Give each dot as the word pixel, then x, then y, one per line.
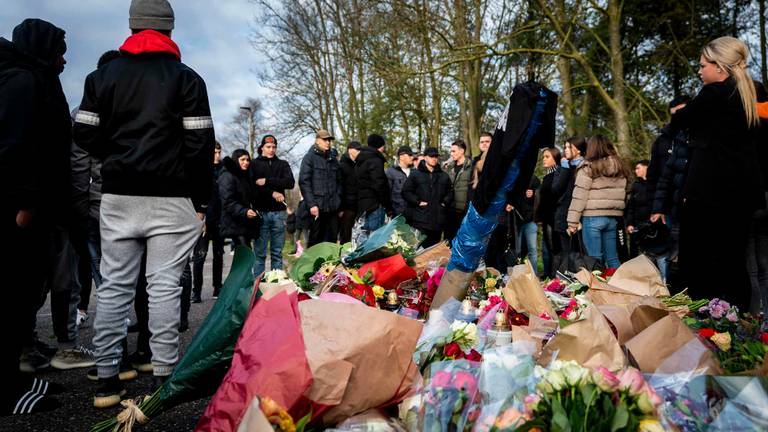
pixel 134 188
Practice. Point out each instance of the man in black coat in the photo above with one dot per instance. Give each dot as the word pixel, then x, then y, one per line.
pixel 349 191
pixel 273 177
pixel 661 150
pixel 373 196
pixel 427 193
pixel 212 235
pixel 397 175
pixel 638 209
pixel 320 184
pixel 35 148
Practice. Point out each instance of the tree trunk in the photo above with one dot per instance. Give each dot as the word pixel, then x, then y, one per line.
pixel 564 69
pixel 617 76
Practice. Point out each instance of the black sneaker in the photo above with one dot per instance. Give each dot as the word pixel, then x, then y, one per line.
pixel 32 361
pixel 40 386
pixel 74 358
pixel 45 349
pixel 109 393
pixel 29 403
pixel 127 373
pixel 141 361
pixel 197 299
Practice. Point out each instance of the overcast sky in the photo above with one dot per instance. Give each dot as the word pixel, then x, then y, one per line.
pixel 212 36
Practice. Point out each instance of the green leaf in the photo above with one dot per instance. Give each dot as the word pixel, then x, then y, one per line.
pixel 302 423
pixel 559 418
pixel 621 417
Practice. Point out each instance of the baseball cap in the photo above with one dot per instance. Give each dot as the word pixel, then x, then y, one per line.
pixel 324 134
pixel 404 150
pixel 431 151
pixel 354 145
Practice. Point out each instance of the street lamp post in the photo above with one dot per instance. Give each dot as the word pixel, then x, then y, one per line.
pixel 251 132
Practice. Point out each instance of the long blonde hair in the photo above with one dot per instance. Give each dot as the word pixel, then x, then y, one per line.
pixel 731 55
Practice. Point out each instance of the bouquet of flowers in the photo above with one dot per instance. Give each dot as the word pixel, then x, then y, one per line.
pixel 275 276
pixel 570 397
pixel 457 344
pixel 683 299
pixel 279 418
pixel 740 344
pixel 496 302
pixel 447 397
pixel 484 282
pixel 393 238
pixel 569 309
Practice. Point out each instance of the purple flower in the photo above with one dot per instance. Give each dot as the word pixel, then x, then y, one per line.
pixel 731 316
pixel 704 309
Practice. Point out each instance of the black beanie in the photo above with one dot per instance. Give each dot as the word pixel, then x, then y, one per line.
pixel 264 141
pixel 375 141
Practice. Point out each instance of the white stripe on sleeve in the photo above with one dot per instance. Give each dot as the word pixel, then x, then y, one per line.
pixel 204 122
pixel 87 117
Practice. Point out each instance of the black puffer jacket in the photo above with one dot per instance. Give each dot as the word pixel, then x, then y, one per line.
pixel 237 191
pixel 661 151
pixel 668 198
pixel 348 183
pixel 638 208
pixel 278 177
pixel 146 115
pixel 372 183
pixel 562 186
pixel 397 178
pixel 35 124
pixel 434 188
pixel 320 180
pixel 545 212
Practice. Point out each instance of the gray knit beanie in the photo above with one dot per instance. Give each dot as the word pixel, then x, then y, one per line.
pixel 150 14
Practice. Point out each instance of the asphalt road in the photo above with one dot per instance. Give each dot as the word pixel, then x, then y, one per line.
pixel 77 412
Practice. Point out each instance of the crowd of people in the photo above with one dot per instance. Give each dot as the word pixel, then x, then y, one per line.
pixel 128 191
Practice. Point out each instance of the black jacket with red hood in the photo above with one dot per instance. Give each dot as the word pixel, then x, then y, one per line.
pixel 146 115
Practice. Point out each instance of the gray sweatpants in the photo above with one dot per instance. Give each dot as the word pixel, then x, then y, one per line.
pixel 168 229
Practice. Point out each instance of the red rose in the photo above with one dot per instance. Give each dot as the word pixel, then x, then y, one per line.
pixel 608 272
pixel 764 337
pixel 452 350
pixel 303 296
pixel 706 333
pixel 473 356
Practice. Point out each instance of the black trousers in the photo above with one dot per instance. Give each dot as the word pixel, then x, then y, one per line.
pixel 432 237
pixel 497 246
pixel 346 223
pixel 713 255
pixel 22 287
pixel 198 259
pixel 551 248
pixel 453 221
pixel 324 229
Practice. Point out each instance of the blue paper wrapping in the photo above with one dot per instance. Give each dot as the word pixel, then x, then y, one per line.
pixel 469 245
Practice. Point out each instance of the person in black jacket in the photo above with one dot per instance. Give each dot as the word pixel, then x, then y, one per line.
pixel 397 175
pixel 34 169
pixel 563 184
pixel 349 191
pixel 545 212
pixel 212 234
pixel 427 193
pixel 320 184
pixel 661 150
pixel 638 209
pixel 723 176
pixel 239 220
pixel 273 177
pixel 146 115
pixel 522 207
pixel 373 196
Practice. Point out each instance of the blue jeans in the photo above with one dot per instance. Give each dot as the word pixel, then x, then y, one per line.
pixel 272 231
pixel 529 232
pixel 599 234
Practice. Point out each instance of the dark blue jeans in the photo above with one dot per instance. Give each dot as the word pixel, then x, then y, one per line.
pixel 272 231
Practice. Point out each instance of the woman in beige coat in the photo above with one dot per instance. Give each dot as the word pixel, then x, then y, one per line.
pixel 598 200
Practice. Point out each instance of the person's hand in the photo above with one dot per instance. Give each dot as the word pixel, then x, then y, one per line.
pixel 23 218
pixel 572 230
pixel 423 204
pixel 341 213
pixel 314 211
pixel 657 216
pixel 674 109
pixel 250 214
pixel 278 197
pixel 509 208
pixel 200 216
pixel 261 182
pixel 529 193
pixel 630 228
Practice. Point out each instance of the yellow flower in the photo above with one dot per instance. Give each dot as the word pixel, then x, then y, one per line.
pixel 269 407
pixel 722 340
pixel 650 425
pixel 327 269
pixel 378 291
pixel 490 283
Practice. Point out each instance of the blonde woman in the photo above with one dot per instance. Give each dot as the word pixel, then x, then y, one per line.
pixel 722 188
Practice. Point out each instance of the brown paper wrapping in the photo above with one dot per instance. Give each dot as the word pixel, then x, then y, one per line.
pixel 668 346
pixel 635 278
pixel 439 253
pixel 523 292
pixel 454 284
pixel 360 357
pixel 590 342
pixel 269 290
pixel 254 419
pixel 629 319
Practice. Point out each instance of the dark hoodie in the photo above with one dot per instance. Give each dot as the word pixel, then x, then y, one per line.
pixel 373 186
pixel 349 187
pixel 434 188
pixel 278 177
pixel 147 115
pixel 35 118
pixel 236 188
